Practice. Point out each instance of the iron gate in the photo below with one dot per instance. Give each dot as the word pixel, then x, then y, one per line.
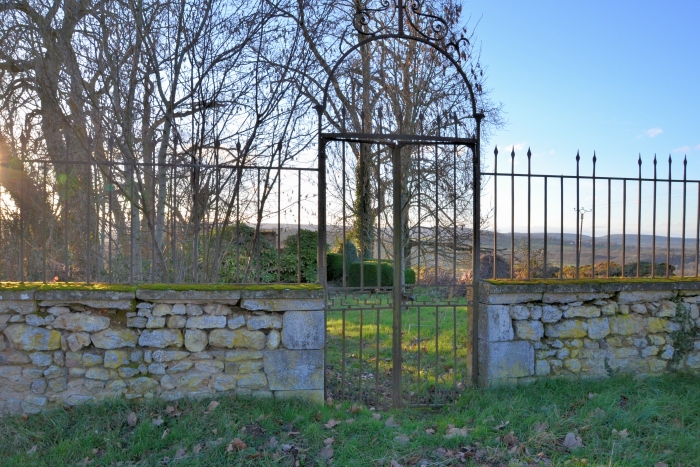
pixel 400 318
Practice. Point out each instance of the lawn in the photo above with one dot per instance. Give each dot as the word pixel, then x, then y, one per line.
pixel 433 341
pixel 618 422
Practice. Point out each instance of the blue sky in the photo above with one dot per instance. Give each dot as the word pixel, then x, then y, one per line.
pixel 617 77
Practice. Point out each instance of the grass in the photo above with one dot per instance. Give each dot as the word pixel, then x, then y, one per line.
pixel 510 426
pixel 434 368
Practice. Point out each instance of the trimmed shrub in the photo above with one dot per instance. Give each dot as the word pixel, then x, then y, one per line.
pixel 335 266
pixel 370 274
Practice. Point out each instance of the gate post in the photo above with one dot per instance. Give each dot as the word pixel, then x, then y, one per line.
pixel 476 251
pixel 397 291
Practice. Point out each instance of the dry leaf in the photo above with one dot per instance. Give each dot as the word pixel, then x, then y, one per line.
pixel 376 416
pixel 210 408
pixel 452 432
pixel 197 448
pixel 272 442
pixel 326 453
pixel 328 441
pixel 329 401
pixel 214 430
pixel 661 464
pixel 132 419
pixel 620 434
pixel 677 423
pixel 395 464
pixel 236 444
pixel 572 441
pixel 598 412
pixel 539 426
pixel 32 450
pixel 391 423
pixel 402 439
pixel 180 454
pixel 24 416
pixel 349 421
pixel 502 425
pixel 157 421
pixel 591 395
pixel 355 408
pixel 510 439
pixel 430 431
pixel 331 424
pixel 165 433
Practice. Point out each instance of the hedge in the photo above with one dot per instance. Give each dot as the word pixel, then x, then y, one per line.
pixel 370 274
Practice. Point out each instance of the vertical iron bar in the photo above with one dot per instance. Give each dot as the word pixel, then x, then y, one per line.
pixel 668 223
pixel 512 211
pixel 593 223
pixel 44 229
pixel 258 240
pixel 89 208
pixel 653 225
pixel 379 222
pixel 279 219
pixel 529 209
pixel 398 277
pixel 131 222
pixel 321 221
pixel 21 217
pixel 65 212
pixel 109 204
pixel 607 262
pixel 544 259
pixel 639 216
pixel 437 209
pixel 495 209
pixel 578 211
pixel 345 234
pixel 299 227
pixel 173 220
pixel 624 223
pixel 685 170
pixel 697 235
pixel 420 175
pixel 561 227
pixel 476 247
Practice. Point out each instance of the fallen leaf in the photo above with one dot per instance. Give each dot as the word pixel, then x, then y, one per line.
pixel 165 433
pixel 24 416
pixel 331 424
pixel 620 434
pixel 661 464
pixel 287 447
pixel 215 430
pixel 328 441
pixel 329 401
pixel 591 395
pixel 539 426
pixel 677 423
pixel 454 431
pixel 510 439
pixel 132 419
pixel 349 421
pixel 355 408
pixel 197 448
pixel 502 425
pixel 624 401
pixel 210 408
pixel 261 417
pixel 32 450
pixel 395 464
pixel 391 423
pixel 402 439
pixel 572 441
pixel 272 442
pixel 376 416
pixel 236 444
pixel 430 431
pixel 326 453
pixel 157 421
pixel 180 453
pixel 598 412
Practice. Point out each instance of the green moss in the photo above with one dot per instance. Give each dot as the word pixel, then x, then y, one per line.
pixel 22 286
pixel 610 280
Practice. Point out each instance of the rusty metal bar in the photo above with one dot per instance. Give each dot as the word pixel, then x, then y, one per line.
pixel 607 263
pixel 624 223
pixel 21 216
pixel 593 222
pixel 653 226
pixel 544 250
pixel 668 223
pixel 44 229
pixel 529 209
pixel 685 170
pixel 578 211
pixel 561 228
pixel 398 278
pixel 639 216
pixel 131 223
pixel 512 211
pixel 495 210
pixel 697 235
pixel 88 261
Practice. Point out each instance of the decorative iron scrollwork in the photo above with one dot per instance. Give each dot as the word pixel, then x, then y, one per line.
pixel 366 22
pixel 436 28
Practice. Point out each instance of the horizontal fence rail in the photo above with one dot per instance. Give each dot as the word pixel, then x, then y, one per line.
pixel 135 222
pixel 621 227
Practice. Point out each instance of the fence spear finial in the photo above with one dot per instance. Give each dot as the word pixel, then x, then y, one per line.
pixel 594 158
pixel 578 158
pixel 495 151
pixel 529 154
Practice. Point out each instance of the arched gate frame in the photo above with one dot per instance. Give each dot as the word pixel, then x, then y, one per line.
pixel 400 298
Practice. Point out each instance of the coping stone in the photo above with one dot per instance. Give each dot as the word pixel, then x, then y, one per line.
pixel 189 296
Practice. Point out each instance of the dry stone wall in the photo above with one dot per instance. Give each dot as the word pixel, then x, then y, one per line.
pixel 587 330
pixel 69 347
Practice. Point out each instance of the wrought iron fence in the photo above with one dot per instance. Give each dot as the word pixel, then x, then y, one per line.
pixel 638 226
pixel 122 222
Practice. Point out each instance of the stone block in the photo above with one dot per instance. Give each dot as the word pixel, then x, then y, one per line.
pixel 567 329
pixel 273 340
pixel 115 358
pixel 165 356
pixel 58 384
pixel 209 366
pixel 283 304
pixel 155 322
pixel 499 360
pixel 519 312
pixel 551 314
pixel 195 340
pixel 29 338
pixel 162 309
pixel 582 312
pixel 627 325
pixel 598 328
pixel 236 321
pixel 513 298
pixel 128 372
pixel 189 296
pixel 36 320
pixel 161 338
pixel 194 310
pixel 224 382
pixel 495 324
pixel 634 296
pixel 314 396
pixel 177 322
pixel 303 330
pixel 23 307
pixel 638 308
pixel 542 368
pixel 536 312
pixel 217 310
pixel 179 309
pixel 157 368
pixel 529 330
pixel 609 310
pixel 294 369
pixel 180 366
pixel 655 325
pixel 141 385
pixel 194 381
pixel 241 338
pixel 206 322
pixel 41 358
pixel 242 355
pixel 255 323
pixel 101 374
pixel 252 381
pixel 114 339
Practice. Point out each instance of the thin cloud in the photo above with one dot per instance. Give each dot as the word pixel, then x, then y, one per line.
pixel 697 147
pixel 652 132
pixel 683 149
